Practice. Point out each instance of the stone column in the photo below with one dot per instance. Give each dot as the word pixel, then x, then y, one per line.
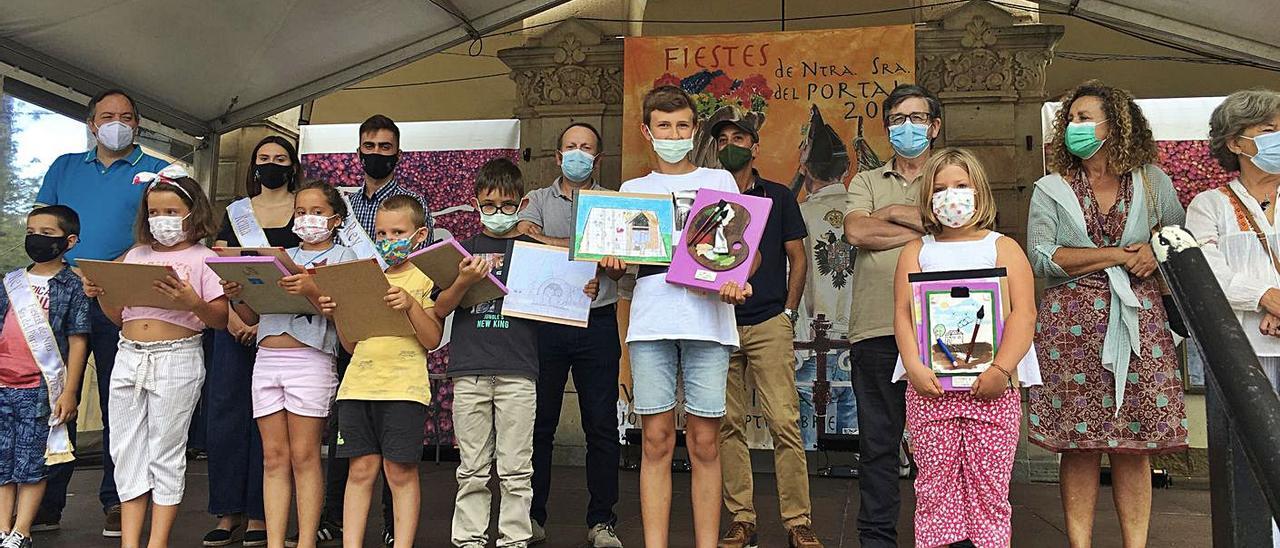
pixel 573 73
pixel 988 66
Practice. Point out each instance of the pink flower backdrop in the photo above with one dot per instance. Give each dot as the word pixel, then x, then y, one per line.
pixel 444 179
pixel 1192 168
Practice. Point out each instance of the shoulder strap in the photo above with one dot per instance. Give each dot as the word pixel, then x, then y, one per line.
pixel 1153 211
pixel 1242 210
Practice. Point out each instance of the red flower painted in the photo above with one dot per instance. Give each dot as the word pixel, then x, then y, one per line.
pixel 720 86
pixel 667 79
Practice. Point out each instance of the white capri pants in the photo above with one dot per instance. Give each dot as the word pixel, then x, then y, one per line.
pixel 154 390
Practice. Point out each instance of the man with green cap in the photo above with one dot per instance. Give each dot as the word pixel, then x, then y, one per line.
pixel 766 329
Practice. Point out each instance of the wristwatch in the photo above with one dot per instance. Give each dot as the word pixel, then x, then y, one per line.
pixel 791 314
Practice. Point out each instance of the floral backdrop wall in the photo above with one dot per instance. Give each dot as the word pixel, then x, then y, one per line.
pixel 444 179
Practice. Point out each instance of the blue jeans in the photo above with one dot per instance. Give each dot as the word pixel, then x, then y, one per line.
pixel 232 440
pixel 704 366
pixel 103 339
pixel 844 420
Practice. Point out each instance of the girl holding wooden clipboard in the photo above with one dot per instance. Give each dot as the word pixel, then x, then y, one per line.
pixel 964 441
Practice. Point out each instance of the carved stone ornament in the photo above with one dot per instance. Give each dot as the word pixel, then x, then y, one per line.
pixel 565 68
pixel 989 58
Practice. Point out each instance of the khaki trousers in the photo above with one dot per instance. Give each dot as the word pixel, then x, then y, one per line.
pixel 765 357
pixel 493 420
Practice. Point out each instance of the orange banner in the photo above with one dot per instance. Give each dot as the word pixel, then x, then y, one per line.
pixel 785 80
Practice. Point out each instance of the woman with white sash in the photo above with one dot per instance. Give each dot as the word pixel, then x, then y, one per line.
pixel 1108 362
pixel 263 219
pixel 1232 222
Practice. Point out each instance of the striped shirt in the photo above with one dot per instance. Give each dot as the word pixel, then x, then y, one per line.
pixel 365 208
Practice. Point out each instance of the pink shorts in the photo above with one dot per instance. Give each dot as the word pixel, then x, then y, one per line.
pixel 301 381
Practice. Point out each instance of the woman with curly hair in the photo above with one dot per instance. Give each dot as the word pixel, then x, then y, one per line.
pixel 1110 371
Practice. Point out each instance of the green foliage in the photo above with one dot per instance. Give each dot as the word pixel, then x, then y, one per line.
pixel 17 193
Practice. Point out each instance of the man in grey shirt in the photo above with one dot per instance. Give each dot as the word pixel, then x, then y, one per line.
pixel 591 354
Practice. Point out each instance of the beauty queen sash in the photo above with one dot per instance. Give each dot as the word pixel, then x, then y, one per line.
pixel 353 235
pixel 245 225
pixel 44 348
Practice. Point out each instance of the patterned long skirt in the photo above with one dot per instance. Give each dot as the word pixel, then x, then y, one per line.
pixel 1075 409
pixel 965 449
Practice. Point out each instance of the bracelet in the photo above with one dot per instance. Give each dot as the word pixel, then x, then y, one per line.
pixel 1007 374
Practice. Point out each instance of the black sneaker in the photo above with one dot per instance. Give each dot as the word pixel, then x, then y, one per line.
pixel 329 534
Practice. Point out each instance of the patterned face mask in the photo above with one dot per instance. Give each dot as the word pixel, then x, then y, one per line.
pixel 313 229
pixel 954 207
pixel 167 229
pixel 394 252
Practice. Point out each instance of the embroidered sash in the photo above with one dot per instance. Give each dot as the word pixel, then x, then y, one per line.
pixel 44 349
pixel 245 225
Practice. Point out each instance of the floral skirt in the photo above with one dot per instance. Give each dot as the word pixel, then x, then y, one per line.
pixel 1075 409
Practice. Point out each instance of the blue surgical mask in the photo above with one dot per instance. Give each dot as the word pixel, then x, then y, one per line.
pixel 499 222
pixel 1268 157
pixel 909 139
pixel 576 165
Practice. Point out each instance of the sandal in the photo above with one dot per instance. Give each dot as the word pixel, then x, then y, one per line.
pixel 224 537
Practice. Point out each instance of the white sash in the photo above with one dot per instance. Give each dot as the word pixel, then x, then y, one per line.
pixel 44 349
pixel 354 236
pixel 245 225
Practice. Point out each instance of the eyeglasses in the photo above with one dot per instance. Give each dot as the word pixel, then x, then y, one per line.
pixel 915 117
pixel 506 209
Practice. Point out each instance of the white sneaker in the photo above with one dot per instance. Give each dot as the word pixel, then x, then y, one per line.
pixel 539 533
pixel 603 536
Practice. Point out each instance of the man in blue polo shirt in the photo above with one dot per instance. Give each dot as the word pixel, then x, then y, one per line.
pixel 98 185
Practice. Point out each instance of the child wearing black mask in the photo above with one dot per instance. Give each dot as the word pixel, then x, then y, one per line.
pixel 39 304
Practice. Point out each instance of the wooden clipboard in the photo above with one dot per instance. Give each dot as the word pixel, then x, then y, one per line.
pixel 129 284
pixel 278 252
pixel 440 262
pixel 260 277
pixel 358 289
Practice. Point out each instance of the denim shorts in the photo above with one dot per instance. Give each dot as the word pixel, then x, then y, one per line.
pixel 654 368
pixel 24 431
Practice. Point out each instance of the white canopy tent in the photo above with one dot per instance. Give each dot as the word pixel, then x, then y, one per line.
pixel 1238 29
pixel 208 67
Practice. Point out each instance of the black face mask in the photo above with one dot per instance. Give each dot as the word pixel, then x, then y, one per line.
pixel 379 166
pixel 43 249
pixel 273 176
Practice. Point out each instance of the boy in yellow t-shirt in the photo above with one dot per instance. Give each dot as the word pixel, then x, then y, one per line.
pixel 382 402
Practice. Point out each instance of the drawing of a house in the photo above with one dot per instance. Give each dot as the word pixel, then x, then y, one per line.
pixel 631 232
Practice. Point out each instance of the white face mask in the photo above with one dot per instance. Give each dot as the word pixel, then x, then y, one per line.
pixel 115 135
pixel 313 229
pixel 954 207
pixel 167 229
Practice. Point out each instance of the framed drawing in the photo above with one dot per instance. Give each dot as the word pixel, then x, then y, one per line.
pixel 260 277
pixel 129 284
pixel 959 317
pixel 278 252
pixel 720 241
pixel 439 261
pixel 544 285
pixel 358 289
pixel 637 228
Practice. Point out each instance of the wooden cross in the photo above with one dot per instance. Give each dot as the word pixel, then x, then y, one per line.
pixel 821 386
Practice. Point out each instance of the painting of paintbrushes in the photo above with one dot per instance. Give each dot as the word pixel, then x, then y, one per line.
pixel 963 335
